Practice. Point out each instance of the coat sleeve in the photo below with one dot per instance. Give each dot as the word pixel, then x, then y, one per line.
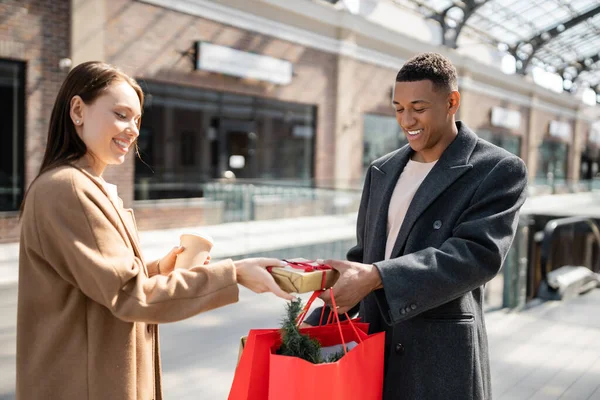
pixel 473 255
pixel 79 239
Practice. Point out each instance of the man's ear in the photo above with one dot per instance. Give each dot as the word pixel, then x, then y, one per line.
pixel 453 102
pixel 76 110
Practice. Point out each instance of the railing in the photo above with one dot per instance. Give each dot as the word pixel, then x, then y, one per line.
pixel 543 243
pixel 250 200
pixel 551 231
pixel 542 186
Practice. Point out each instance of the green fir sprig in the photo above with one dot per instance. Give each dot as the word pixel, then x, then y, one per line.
pixel 296 344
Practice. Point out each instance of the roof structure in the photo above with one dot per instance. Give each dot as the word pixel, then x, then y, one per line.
pixel 561 36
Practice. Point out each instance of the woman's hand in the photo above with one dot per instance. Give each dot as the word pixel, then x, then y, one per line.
pixel 252 273
pixel 166 265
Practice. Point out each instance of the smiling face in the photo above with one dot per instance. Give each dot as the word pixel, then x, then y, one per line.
pixel 426 115
pixel 109 125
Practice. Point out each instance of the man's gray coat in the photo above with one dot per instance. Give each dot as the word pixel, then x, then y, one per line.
pixel 454 238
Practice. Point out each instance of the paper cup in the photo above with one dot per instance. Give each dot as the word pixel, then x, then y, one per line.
pixel 197 248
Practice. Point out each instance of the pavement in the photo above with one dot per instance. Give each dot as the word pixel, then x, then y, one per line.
pixel 550 351
pixel 547 351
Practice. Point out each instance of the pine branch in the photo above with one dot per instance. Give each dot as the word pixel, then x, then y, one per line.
pixel 294 343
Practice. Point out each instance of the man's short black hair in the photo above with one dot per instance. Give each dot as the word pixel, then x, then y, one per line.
pixel 429 66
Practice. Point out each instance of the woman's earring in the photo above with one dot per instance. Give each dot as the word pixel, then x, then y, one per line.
pixel 77 122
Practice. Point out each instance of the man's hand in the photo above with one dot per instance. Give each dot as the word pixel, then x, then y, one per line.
pixel 355 283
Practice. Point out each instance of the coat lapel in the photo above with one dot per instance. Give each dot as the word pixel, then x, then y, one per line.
pixel 384 180
pixel 452 165
pixel 127 228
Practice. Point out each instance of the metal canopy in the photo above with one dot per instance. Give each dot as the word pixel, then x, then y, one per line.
pixel 561 36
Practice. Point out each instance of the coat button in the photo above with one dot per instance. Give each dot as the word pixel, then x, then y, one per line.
pixel 399 348
pixel 437 224
pixel 413 306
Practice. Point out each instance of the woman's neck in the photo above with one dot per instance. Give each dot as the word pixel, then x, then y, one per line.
pixel 91 164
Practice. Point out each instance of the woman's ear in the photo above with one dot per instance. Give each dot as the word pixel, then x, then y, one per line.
pixel 76 110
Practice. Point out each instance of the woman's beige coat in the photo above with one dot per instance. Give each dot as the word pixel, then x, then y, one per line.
pixel 88 303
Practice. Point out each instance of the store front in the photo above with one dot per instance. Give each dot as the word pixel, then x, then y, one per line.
pixel 190 136
pixel 553 154
pixel 12 152
pixel 504 129
pixel 381 135
pixel 590 156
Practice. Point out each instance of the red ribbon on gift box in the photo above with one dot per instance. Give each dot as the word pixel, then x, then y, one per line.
pixel 307 266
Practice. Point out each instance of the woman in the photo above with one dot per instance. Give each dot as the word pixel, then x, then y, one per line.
pixel 88 303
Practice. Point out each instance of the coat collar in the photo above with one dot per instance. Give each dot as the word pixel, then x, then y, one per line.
pixel 453 163
pixel 128 228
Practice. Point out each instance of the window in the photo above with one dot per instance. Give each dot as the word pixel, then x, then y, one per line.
pixel 552 160
pixel 381 135
pixel 187 148
pixel 190 136
pixel 508 142
pixel 12 151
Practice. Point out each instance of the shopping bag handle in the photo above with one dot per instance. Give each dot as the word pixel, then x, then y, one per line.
pixel 310 268
pixel 336 317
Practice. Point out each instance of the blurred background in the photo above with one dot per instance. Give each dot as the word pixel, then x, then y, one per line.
pixel 260 120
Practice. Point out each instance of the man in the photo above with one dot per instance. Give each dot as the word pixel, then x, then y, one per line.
pixel 436 220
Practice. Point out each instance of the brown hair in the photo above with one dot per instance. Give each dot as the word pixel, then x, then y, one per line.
pixel 87 80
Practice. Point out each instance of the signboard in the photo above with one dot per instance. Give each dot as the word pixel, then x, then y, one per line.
pixel 301 131
pixel 560 129
pixel 505 118
pixel 228 61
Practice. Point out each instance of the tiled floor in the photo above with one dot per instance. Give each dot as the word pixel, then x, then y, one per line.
pixel 551 351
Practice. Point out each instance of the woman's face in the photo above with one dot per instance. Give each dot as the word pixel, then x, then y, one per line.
pixel 109 125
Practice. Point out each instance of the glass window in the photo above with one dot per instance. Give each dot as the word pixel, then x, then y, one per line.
pixel 506 141
pixel 552 160
pixel 590 162
pixel 381 135
pixel 288 130
pixel 190 136
pixel 12 151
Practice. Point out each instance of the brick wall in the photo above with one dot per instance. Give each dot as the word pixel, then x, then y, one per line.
pixel 178 214
pixel 37 32
pixel 158 45
pixel 476 109
pixel 363 88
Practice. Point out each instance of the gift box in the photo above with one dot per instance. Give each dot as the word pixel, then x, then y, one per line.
pixel 303 276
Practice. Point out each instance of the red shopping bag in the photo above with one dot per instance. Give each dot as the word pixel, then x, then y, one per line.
pixel 356 376
pixel 263 375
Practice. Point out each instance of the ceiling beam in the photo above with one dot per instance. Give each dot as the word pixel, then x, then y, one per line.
pixel 583 64
pixel 451 32
pixel 524 51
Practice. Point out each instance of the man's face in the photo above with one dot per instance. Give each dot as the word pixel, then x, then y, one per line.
pixel 426 115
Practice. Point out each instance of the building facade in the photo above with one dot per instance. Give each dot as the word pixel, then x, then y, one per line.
pixel 262 90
